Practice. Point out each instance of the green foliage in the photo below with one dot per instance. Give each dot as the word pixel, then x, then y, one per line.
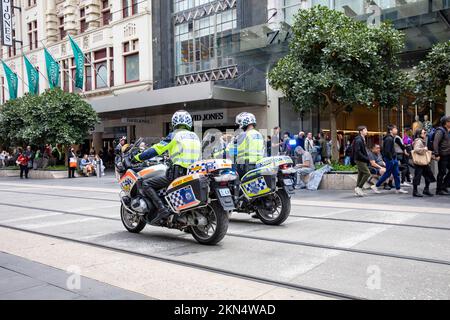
pixel 53 117
pixel 336 61
pixel 433 75
pixel 336 167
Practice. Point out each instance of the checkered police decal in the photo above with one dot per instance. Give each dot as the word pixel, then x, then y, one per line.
pixel 183 198
pixel 254 187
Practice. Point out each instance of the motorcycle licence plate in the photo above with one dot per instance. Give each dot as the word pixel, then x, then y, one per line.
pixel 224 192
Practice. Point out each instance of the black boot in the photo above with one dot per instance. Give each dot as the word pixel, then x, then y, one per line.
pixel 416 193
pixel 427 192
pixel 162 213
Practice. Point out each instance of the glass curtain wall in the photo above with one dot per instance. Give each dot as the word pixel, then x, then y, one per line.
pixel 206 43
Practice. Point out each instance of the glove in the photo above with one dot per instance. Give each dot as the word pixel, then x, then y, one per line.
pixel 136 159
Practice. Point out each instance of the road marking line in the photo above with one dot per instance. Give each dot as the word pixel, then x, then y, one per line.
pixel 379 207
pixel 54 224
pixel 40 186
pixel 31 217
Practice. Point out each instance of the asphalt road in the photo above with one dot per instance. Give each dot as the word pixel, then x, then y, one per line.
pixel 380 247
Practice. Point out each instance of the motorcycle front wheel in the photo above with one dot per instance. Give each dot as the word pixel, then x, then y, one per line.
pixel 132 222
pixel 279 211
pixel 217 225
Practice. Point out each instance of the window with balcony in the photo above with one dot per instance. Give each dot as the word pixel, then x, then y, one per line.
pixel 12 51
pixel 32 34
pixel 129 7
pixel 106 13
pixel 83 24
pixel 61 31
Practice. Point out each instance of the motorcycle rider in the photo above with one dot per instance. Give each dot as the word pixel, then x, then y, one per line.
pixel 184 149
pixel 248 145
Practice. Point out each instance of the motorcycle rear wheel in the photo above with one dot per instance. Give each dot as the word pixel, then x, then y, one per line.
pixel 281 209
pixel 217 226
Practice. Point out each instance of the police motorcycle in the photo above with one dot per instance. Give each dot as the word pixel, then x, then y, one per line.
pixel 197 208
pixel 266 191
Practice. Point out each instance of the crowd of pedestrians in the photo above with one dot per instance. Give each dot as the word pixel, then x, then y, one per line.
pixel 390 164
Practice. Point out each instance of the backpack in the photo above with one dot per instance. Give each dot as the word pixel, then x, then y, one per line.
pixel 432 136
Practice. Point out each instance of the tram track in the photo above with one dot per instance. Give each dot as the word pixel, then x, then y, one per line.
pixel 292 215
pixel 266 239
pixel 276 283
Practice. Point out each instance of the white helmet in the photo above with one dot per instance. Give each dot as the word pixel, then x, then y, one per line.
pixel 245 119
pixel 182 118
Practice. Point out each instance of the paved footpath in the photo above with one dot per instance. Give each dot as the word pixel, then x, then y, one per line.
pixel 333 246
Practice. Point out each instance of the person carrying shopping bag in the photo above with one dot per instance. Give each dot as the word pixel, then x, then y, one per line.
pixel 422 159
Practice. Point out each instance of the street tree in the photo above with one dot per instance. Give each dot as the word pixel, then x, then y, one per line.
pixel 433 75
pixel 337 63
pixel 55 117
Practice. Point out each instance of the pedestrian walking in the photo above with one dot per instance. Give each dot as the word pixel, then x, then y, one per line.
pixel 392 164
pixel 22 162
pixel 362 161
pixel 422 159
pixel 441 151
pixel 276 142
pixel 72 162
pixel 401 150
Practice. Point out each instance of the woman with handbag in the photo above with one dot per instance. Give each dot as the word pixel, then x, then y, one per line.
pixel 73 162
pixel 422 159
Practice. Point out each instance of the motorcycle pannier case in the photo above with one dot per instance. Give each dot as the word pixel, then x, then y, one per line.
pixel 188 192
pixel 259 182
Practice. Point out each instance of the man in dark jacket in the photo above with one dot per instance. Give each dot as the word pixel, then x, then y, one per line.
pixel 390 158
pixel 441 150
pixel 361 159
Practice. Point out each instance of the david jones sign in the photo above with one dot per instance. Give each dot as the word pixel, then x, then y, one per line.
pixel 6 21
pixel 210 117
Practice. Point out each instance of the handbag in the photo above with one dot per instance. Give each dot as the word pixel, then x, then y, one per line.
pixel 421 159
pixel 73 162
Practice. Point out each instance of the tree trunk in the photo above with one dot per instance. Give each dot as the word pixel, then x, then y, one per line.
pixel 334 140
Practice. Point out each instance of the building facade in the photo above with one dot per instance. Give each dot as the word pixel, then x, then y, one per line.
pixel 146 59
pixel 424 22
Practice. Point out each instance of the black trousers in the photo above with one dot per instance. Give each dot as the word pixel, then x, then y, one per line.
pixel 72 172
pixel 404 167
pixel 423 171
pixel 443 178
pixel 24 169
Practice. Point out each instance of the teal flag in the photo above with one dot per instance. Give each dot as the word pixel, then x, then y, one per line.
pixel 79 63
pixel 33 76
pixel 52 70
pixel 12 79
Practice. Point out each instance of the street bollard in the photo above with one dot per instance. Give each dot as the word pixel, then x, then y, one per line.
pixel 99 169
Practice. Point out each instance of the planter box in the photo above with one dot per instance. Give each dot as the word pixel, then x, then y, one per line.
pixel 36 174
pixel 339 181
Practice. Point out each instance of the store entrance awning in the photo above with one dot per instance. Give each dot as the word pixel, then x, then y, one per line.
pixel 176 95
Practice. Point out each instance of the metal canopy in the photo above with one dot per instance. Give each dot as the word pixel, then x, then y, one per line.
pixel 176 95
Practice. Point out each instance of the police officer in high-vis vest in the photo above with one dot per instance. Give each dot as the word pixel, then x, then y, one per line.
pixel 248 145
pixel 184 149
